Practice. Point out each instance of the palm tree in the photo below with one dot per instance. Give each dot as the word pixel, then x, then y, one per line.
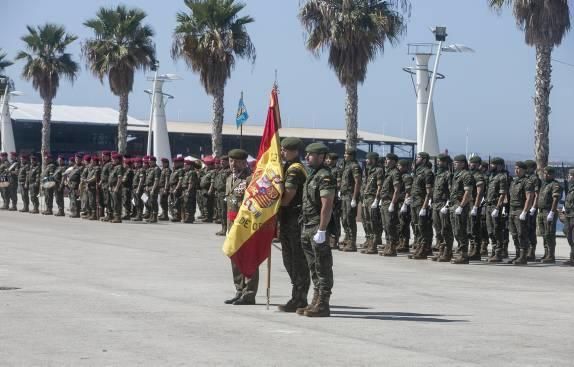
pixel 4 63
pixel 46 62
pixel 545 23
pixel 354 32
pixel 121 45
pixel 209 39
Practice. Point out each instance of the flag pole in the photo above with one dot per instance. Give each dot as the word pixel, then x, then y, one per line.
pixel 241 137
pixel 269 277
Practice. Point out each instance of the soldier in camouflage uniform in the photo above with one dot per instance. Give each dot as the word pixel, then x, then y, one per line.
pixel 461 189
pixel 331 162
pixel 12 190
pixel 319 192
pixel 289 215
pixel 440 205
pixel 164 189
pixel 152 186
pixel 548 198
pixel 115 186
pixel 496 195
pixel 484 239
pixel 94 207
pixel 207 196
pixel 521 196
pixel 74 179
pixel 567 217
pixel 370 195
pixel 218 189
pixel 59 189
pixel 48 175
pixel 211 191
pixel 34 177
pixel 83 192
pixel 138 189
pixel 350 189
pixel 389 203
pixel 533 212
pixel 421 193
pixel 4 175
pixel 104 188
pixel 190 186
pixel 23 182
pixel 175 184
pixel 475 215
pixel 236 185
pixel 405 205
pixel 127 184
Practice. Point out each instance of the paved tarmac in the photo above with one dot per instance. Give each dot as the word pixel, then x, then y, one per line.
pixel 131 294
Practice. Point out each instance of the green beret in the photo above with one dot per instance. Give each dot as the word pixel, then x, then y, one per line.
pixel 423 155
pixel 392 157
pixel 550 170
pixel 372 155
pixel 291 143
pixel 443 157
pixel 530 164
pixel 475 159
pixel 484 164
pixel 237 154
pixel 318 148
pixel 404 162
pixel 520 164
pixel 497 160
pixel 333 156
pixel 460 158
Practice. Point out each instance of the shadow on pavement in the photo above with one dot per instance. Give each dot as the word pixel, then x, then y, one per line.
pixel 391 316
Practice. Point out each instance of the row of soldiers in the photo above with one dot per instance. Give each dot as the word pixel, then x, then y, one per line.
pixel 474 202
pixel 112 188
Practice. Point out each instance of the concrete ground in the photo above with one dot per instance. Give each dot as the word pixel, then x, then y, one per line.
pixel 99 294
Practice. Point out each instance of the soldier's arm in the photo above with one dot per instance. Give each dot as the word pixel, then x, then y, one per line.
pixel 357 179
pixel 397 188
pixel 556 195
pixel 429 183
pixel 291 180
pixel 503 192
pixel 479 193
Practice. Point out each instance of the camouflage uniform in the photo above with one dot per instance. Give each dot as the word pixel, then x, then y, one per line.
pixel 105 189
pixel 440 215
pixel 137 192
pixel 474 221
pixel 164 192
pixel 34 175
pixel 74 177
pixel 59 189
pixel 550 190
pixel 392 180
pixel 219 186
pixel 336 172
pixel 531 219
pixel 23 184
pixel 175 188
pixel 350 172
pixel 94 206
pixel 207 196
pixel 12 190
pixel 83 192
pixel 189 184
pixel 405 212
pixel 462 182
pixel 423 180
pixel 127 184
pixel 4 176
pixel 114 185
pixel 152 186
pixel 497 186
pixel 520 188
pixel 372 224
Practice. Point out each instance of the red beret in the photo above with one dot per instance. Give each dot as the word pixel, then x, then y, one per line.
pixel 105 152
pixel 145 158
pixel 87 158
pixel 13 154
pixel 137 160
pixel 178 159
pixel 24 156
pixel 3 154
pixel 152 158
pixel 95 158
pixel 165 160
pixel 116 156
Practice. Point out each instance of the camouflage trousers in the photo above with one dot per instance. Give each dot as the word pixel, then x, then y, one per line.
pixel 474 227
pixel 319 258
pixel 245 288
pixel 188 206
pixel 137 202
pixel 59 196
pixel 222 207
pixel 569 231
pixel 163 199
pixel 405 225
pixel 495 226
pixel 175 202
pixel 105 193
pixel 4 194
pixel 532 223
pixel 293 256
pixel 390 222
pixel 547 229
pixel 349 218
pixel 208 204
pixel 336 217
pixel 518 229
pixel 367 219
pixel 422 226
pixel 74 196
pixel 127 200
pixel 152 200
pixel 459 224
pixel 49 198
pixel 34 192
pixel 115 203
pixel 442 225
pixel 12 193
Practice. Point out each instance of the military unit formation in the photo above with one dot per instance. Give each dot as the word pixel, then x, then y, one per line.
pixel 478 204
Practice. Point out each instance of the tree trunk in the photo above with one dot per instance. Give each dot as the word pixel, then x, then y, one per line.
pixel 46 130
pixel 123 124
pixel 542 105
pixel 217 127
pixel 351 107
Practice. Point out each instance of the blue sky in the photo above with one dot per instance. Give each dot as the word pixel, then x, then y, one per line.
pixel 487 94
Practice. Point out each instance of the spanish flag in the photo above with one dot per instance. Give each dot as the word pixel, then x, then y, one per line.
pixel 248 242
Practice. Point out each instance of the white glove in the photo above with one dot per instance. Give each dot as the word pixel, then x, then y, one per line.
pixel 423 212
pixel 550 217
pixel 380 202
pixel 474 211
pixel 353 203
pixel 404 208
pixel 339 194
pixel 563 209
pixel 458 210
pixel 375 204
pixel 409 200
pixel 533 211
pixel 444 210
pixel 494 213
pixel 504 212
pixel 522 216
pixel 319 237
pixel 391 207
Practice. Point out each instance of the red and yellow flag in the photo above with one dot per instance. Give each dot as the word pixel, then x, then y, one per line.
pixel 248 242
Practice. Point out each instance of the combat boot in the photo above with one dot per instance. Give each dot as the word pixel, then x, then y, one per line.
pixel 484 249
pixel 223 232
pixel 321 309
pixel 545 254
pixel 570 262
pixel 116 219
pixel 496 257
pixel 60 213
pixel 441 251
pixel 463 257
pixel 48 212
pixel 532 253
pixel 138 217
pixel 25 209
pixel 550 259
pixel 296 302
pixel 107 218
pixel 417 252
pixel 521 260
pixel 146 214
pixel 424 252
pixel 446 256
pixel 351 246
pixel 403 246
pixel 505 250
pixel 164 217
pixel 516 256
pixel 35 210
pixel 372 249
pixel 475 253
pixel 314 301
pixel 368 244
pixel 391 250
pixel 13 208
pixel 93 216
pixel 333 243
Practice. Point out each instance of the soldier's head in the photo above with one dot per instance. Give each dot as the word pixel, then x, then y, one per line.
pixel 78 159
pixel 520 168
pixel 496 164
pixel 106 156
pixel 187 164
pixel 145 161
pixel 571 175
pixel 331 159
pixel 60 160
pixel 13 157
pixel 484 167
pixel 391 160
pixel 209 163
pixel 530 166
pixel 459 162
pixel 443 160
pixel 3 156
pixel 165 163
pixel 237 160
pixel 549 173
pixel 290 148
pixel 178 162
pixel 87 159
pixel 116 159
pixel 404 165
pixel 137 162
pixel 350 154
pixel 152 161
pixel 224 162
pixel 47 158
pixel 422 159
pixel 127 163
pixel 316 153
pixel 23 159
pixel 33 159
pixel 95 160
pixel 474 162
